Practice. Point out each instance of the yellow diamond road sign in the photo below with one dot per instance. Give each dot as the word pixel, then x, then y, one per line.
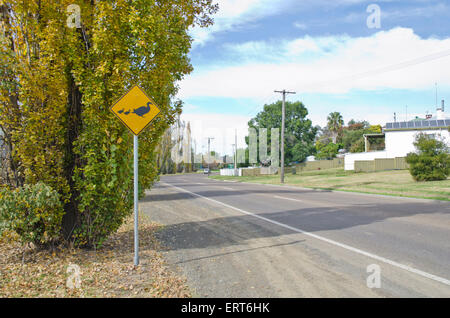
pixel 135 109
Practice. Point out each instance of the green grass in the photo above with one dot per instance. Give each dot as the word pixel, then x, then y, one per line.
pixel 395 183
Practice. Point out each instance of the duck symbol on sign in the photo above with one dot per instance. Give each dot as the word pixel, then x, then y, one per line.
pixel 141 111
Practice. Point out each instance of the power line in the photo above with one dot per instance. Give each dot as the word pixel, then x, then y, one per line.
pixel 261 101
pixel 389 68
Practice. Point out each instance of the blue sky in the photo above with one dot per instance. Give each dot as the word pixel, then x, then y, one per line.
pixel 325 51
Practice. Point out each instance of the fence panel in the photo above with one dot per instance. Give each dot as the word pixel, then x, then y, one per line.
pixel 250 172
pixel 384 164
pixel 321 165
pixel 398 163
pixel 364 165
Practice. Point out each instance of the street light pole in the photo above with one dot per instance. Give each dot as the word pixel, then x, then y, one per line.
pixel 283 115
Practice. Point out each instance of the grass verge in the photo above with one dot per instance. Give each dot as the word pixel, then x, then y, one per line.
pixel 107 272
pixel 394 183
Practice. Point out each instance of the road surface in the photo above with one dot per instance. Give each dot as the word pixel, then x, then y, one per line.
pixel 248 240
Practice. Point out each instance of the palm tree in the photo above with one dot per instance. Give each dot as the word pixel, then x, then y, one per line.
pixel 335 123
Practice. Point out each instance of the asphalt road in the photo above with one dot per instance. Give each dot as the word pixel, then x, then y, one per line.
pixel 248 240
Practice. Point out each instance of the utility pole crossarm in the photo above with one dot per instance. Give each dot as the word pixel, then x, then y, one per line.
pixel 285 92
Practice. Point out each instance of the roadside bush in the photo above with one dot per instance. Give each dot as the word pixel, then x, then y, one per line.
pixel 34 212
pixel 432 160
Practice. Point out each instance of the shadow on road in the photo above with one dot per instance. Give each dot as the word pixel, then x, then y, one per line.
pixel 214 230
pixel 240 251
pixel 220 193
pixel 234 230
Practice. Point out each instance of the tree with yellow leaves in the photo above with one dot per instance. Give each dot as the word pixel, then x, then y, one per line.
pixel 58 80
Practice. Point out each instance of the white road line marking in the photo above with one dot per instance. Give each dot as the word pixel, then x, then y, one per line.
pixel 229 189
pixel 345 246
pixel 290 199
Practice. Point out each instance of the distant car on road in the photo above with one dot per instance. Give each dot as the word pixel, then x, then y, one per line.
pixel 206 171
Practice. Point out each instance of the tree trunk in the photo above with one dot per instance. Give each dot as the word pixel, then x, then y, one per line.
pixel 71 219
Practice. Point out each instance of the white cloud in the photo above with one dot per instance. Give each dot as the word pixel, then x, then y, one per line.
pixel 234 13
pixel 300 26
pixel 427 11
pixel 190 107
pixel 325 65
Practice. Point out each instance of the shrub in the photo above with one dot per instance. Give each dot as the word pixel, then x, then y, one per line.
pixel 358 146
pixel 34 212
pixel 432 160
pixel 327 151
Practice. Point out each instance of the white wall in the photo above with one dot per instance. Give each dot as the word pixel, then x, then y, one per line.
pixel 350 158
pixel 400 143
pixel 230 172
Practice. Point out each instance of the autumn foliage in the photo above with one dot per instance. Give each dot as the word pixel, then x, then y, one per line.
pixel 57 84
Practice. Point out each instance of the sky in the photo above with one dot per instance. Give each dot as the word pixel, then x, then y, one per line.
pixel 364 59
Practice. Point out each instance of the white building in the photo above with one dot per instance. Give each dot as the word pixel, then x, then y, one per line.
pixel 400 137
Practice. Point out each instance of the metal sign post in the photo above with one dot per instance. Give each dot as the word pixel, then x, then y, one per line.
pixel 136 110
pixel 136 203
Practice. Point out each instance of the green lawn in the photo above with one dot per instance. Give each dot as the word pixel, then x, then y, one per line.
pixel 396 183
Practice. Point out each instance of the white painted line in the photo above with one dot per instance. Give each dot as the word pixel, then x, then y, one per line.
pixel 225 188
pixel 345 246
pixel 290 199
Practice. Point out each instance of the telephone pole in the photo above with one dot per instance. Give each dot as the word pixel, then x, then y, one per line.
pixel 209 153
pixel 235 152
pixel 283 115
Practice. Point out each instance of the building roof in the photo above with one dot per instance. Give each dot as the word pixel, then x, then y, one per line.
pixel 419 124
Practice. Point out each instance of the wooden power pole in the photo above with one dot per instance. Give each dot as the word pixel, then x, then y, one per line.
pixel 283 115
